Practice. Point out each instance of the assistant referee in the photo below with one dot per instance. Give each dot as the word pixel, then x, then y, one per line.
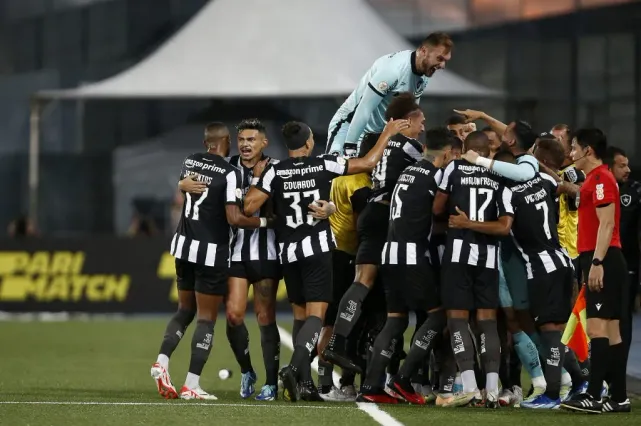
pixel 602 263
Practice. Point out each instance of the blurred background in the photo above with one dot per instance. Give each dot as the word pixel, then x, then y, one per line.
pixel 100 101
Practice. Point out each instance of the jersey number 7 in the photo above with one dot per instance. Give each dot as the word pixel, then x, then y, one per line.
pixel 297 220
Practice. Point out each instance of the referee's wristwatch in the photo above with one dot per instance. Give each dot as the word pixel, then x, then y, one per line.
pixel 597 262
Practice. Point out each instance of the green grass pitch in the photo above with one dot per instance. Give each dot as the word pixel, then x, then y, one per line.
pixel 97 373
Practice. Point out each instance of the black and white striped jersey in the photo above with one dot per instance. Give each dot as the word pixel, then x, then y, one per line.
pixel 400 152
pixel 203 234
pixel 483 197
pixel 410 215
pixel 437 237
pixel 534 228
pixel 293 185
pixel 253 244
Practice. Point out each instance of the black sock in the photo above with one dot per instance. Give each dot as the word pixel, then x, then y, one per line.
pixel 571 365
pixel 515 368
pixel 305 342
pixel 504 366
pixel 349 309
pixel 462 344
pixel 325 378
pixel 447 374
pixel 395 362
pixel 600 365
pixel 270 343
pixel 385 345
pixel 201 343
pixel 298 324
pixel 618 366
pixel 423 344
pixel 490 350
pixel 554 352
pixel 175 331
pixel 238 337
pixel 347 378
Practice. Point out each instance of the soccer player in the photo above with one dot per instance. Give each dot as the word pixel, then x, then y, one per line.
pixel 549 271
pixel 201 249
pixel 630 197
pixel 349 194
pixel 306 243
pixel 253 261
pixel 402 150
pixel 480 209
pixel 407 275
pixel 364 110
pixel 603 268
pixel 568 216
pixel 495 140
pixel 460 127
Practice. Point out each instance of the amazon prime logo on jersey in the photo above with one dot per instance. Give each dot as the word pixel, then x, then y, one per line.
pixel 626 199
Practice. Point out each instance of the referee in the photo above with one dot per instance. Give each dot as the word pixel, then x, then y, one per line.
pixel 602 263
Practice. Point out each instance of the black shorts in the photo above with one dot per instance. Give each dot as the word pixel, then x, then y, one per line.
pixel 550 295
pixel 607 303
pixel 436 248
pixel 203 279
pixel 372 233
pixel 577 270
pixel 343 272
pixel 256 270
pixel 465 287
pixel 410 287
pixel 309 279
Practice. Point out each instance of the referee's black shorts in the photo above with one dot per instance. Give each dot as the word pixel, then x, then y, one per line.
pixel 607 303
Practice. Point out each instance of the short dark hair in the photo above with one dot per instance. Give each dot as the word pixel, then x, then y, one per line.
pixel 525 136
pixel 610 153
pixel 401 106
pixel 504 155
pixel 593 138
pixel 438 39
pixel 455 119
pixel 457 143
pixel 563 127
pixel 251 124
pixel 438 138
pixel 552 151
pixel 479 141
pixel 215 126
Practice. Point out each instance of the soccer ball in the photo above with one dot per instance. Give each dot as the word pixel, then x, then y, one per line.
pixel 224 374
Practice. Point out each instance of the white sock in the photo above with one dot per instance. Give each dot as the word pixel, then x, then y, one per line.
pixel 566 379
pixel 469 381
pixel 539 382
pixel 492 382
pixel 192 381
pixel 457 379
pixel 163 360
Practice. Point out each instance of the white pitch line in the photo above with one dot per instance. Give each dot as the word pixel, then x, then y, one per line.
pixel 168 404
pixel 380 416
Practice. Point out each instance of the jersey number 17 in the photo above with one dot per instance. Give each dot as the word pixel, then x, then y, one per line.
pixel 194 208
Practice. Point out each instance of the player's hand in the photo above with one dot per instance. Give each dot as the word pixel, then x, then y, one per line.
pixel 469 128
pixel 470 114
pixel 395 126
pixel 191 185
pixel 458 221
pixel 595 278
pixel 470 156
pixel 321 209
pixel 259 168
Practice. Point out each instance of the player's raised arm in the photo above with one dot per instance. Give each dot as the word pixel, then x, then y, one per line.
pixel 261 188
pixel 367 163
pixel 473 115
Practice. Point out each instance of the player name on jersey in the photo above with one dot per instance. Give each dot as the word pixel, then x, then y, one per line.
pixel 203 234
pixel 293 184
pixel 401 152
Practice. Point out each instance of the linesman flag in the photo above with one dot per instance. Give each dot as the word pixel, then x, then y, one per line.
pixel 575 335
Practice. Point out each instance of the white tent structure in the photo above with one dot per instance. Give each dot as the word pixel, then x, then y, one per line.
pixel 267 48
pixel 256 49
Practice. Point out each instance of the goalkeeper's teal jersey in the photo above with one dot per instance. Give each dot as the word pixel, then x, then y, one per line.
pixel 364 109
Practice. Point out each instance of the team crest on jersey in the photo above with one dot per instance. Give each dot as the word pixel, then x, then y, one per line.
pixel 239 193
pixel 626 200
pixel 571 174
pixel 341 161
pixel 383 86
